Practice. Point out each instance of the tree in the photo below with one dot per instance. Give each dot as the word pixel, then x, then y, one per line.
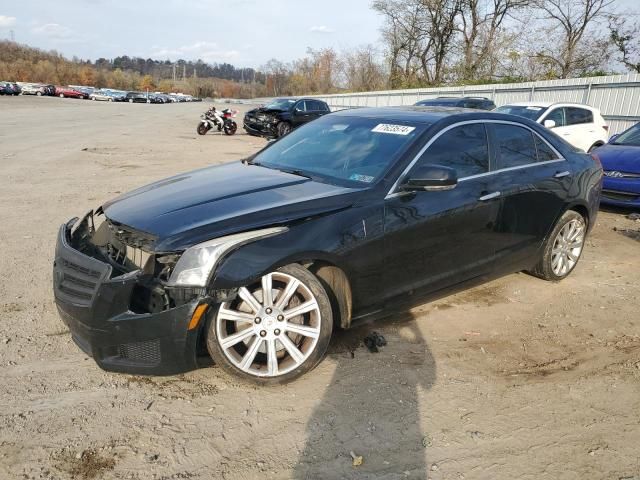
pixel 146 83
pixel 626 40
pixel 567 49
pixel 361 69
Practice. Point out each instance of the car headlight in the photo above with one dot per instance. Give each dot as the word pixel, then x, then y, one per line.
pixel 197 263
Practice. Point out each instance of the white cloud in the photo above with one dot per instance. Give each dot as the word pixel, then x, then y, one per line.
pixel 321 29
pixel 207 51
pixel 7 21
pixel 53 31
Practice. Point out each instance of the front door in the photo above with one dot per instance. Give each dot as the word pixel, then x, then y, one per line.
pixel 434 239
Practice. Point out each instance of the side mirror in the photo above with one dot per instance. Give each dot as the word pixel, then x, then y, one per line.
pixel 430 178
pixel 549 123
pixel 612 138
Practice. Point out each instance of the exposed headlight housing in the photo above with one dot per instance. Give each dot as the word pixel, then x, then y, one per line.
pixel 197 263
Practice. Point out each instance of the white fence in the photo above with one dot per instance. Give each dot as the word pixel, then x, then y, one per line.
pixel 617 96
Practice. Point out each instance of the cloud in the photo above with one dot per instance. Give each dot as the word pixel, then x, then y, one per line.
pixel 207 51
pixel 53 31
pixel 321 29
pixel 7 21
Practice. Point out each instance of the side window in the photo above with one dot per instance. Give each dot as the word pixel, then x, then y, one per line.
pixel 323 107
pixel 515 146
pixel 558 116
pixel 315 106
pixel 301 106
pixel 545 152
pixel 577 116
pixel 463 148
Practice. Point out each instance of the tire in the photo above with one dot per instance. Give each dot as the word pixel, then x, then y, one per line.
pixel 131 100
pixel 594 146
pixel 61 95
pixel 263 352
pixel 558 258
pixel 110 100
pixel 39 94
pixel 230 128
pixel 202 129
pixel 283 129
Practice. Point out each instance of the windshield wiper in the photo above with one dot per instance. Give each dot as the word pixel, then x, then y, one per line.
pixel 299 173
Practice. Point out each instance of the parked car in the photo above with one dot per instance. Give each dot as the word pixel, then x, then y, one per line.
pixel 137 97
pixel 621 163
pixel 50 90
pixel 17 90
pixel 580 125
pixel 34 89
pixel 6 88
pixel 480 103
pixel 102 96
pixel 350 217
pixel 280 116
pixel 63 92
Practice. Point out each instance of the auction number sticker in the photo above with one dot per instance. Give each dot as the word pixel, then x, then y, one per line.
pixel 394 129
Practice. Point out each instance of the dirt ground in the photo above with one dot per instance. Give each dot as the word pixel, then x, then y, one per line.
pixel 518 378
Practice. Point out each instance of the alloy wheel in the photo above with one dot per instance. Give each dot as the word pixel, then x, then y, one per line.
pixel 567 247
pixel 271 328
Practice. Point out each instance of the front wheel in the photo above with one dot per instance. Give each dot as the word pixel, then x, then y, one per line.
pixel 38 94
pixel 563 247
pixel 61 95
pixel 131 100
pixel 230 127
pixel 275 330
pixel 283 129
pixel 202 129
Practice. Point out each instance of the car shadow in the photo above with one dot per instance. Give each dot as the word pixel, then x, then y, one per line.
pixel 371 407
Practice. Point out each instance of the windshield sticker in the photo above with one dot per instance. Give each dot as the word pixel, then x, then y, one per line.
pixel 395 129
pixel 361 178
pixel 536 109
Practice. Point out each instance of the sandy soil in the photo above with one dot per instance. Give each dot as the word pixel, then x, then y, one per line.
pixel 518 378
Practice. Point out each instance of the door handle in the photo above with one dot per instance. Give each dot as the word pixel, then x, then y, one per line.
pixel 489 196
pixel 566 173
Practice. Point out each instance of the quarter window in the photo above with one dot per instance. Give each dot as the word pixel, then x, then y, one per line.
pixel 463 148
pixel 516 146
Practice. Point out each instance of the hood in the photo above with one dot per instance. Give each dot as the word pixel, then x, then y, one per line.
pixel 623 158
pixel 197 206
pixel 265 110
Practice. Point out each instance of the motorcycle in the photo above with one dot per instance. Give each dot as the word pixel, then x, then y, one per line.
pixel 222 120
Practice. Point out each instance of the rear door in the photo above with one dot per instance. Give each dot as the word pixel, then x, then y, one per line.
pixel 434 239
pixel 300 113
pixel 575 125
pixel 533 180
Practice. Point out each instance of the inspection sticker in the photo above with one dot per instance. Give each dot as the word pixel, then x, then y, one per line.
pixel 395 129
pixel 534 108
pixel 361 178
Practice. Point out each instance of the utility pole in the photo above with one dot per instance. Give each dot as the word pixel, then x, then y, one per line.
pixel 184 72
pixel 12 35
pixel 174 73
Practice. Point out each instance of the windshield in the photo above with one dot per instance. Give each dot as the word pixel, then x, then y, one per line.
pixel 630 137
pixel 531 112
pixel 341 149
pixel 280 104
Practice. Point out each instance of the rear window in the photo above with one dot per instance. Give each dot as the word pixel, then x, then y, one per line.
pixel 577 116
pixel 545 152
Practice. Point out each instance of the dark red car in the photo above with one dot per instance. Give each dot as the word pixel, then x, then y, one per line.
pixel 70 92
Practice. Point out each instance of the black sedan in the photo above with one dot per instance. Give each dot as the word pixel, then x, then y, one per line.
pixel 279 117
pixel 353 216
pixel 137 97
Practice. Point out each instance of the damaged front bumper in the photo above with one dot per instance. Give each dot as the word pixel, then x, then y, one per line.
pixel 260 128
pixel 96 306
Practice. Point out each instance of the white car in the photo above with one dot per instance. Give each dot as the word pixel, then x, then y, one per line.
pixel 33 89
pixel 580 125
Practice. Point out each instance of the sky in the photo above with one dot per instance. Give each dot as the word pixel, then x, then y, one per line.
pixel 245 33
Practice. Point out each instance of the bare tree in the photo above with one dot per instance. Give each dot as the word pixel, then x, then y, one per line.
pixel 626 40
pixel 481 26
pixel 568 51
pixel 361 69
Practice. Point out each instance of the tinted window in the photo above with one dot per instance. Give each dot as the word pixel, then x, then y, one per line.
pixel 353 150
pixel 463 148
pixel 323 107
pixel 545 152
pixel 515 146
pixel 301 106
pixel 315 106
pixel 629 137
pixel 576 116
pixel 559 116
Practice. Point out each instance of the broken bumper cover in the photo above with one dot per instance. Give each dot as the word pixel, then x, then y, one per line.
pixel 95 307
pixel 259 129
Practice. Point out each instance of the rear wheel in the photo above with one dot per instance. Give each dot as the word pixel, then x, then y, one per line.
pixel 39 94
pixel 563 248
pixel 61 95
pixel 230 128
pixel 275 330
pixel 131 100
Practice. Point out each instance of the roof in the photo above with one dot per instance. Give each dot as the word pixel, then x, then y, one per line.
pixel 548 104
pixel 430 114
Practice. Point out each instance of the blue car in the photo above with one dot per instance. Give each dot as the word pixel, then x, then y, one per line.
pixel 621 163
